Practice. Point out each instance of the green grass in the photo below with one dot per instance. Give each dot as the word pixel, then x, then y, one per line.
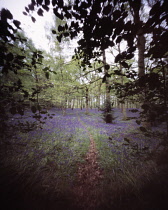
pixel 46 163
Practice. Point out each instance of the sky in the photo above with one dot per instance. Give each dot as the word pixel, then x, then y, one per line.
pixel 36 30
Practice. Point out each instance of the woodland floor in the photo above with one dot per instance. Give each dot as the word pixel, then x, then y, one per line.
pixel 88 180
pixel 146 189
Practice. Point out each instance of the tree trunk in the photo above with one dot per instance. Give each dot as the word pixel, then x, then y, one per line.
pixel 107 95
pixel 141 50
pixel 87 99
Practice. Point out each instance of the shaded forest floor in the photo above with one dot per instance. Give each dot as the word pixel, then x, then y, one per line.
pixel 86 165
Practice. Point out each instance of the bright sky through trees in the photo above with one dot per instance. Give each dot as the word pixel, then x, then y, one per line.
pixel 36 31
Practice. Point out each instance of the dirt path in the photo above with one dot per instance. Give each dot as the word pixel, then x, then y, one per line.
pixel 87 189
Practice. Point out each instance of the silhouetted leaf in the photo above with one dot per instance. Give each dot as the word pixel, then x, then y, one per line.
pixel 119 38
pixel 13 110
pixel 40 12
pixel 20 110
pixel 59 38
pixel 143 129
pixel 24 13
pixel 6 14
pixel 26 94
pixel 33 109
pixel 138 122
pixel 127 140
pixel 145 107
pixel 9 57
pixel 124 64
pixel 107 67
pixel 66 34
pixel 47 75
pixel 39 2
pixel 27 10
pixel 60 28
pixel 17 23
pixel 33 19
pixel 154 9
pixel 37 116
pixel 54 32
pixel 107 9
pixel 31 7
pixel 104 79
pixel 47 2
pixel 118 58
pixel 45 7
pixel 117 14
pixel 129 56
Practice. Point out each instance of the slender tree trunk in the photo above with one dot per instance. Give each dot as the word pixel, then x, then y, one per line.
pixel 123 107
pixel 87 99
pixel 107 96
pixel 141 50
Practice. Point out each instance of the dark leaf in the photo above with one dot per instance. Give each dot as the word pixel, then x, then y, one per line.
pixel 117 14
pixel 118 58
pixel 53 2
pixel 33 109
pixel 20 110
pixel 33 19
pixel 54 32
pixel 43 112
pixel 6 14
pixel 21 57
pixel 138 122
pixel 27 10
pixel 47 2
pixel 66 34
pixel 59 38
pixel 45 7
pixel 143 129
pixel 145 107
pixel 107 10
pixel 9 57
pixel 60 28
pixel 107 67
pixel 17 23
pixel 104 79
pixel 129 56
pixel 127 140
pixel 32 99
pixel 119 38
pixel 26 94
pixel 146 148
pixel 46 69
pixel 37 116
pixel 31 7
pixel 24 13
pixel 154 9
pixel 60 3
pixel 13 110
pixel 39 2
pixel 124 64
pixel 47 75
pixel 40 12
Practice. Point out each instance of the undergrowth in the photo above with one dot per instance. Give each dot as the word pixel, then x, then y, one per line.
pixel 38 169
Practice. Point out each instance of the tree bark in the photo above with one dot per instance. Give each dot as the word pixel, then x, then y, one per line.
pixel 87 99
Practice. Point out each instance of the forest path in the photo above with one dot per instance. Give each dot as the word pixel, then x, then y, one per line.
pixel 89 176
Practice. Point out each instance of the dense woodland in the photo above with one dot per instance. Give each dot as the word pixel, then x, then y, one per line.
pixel 118 73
